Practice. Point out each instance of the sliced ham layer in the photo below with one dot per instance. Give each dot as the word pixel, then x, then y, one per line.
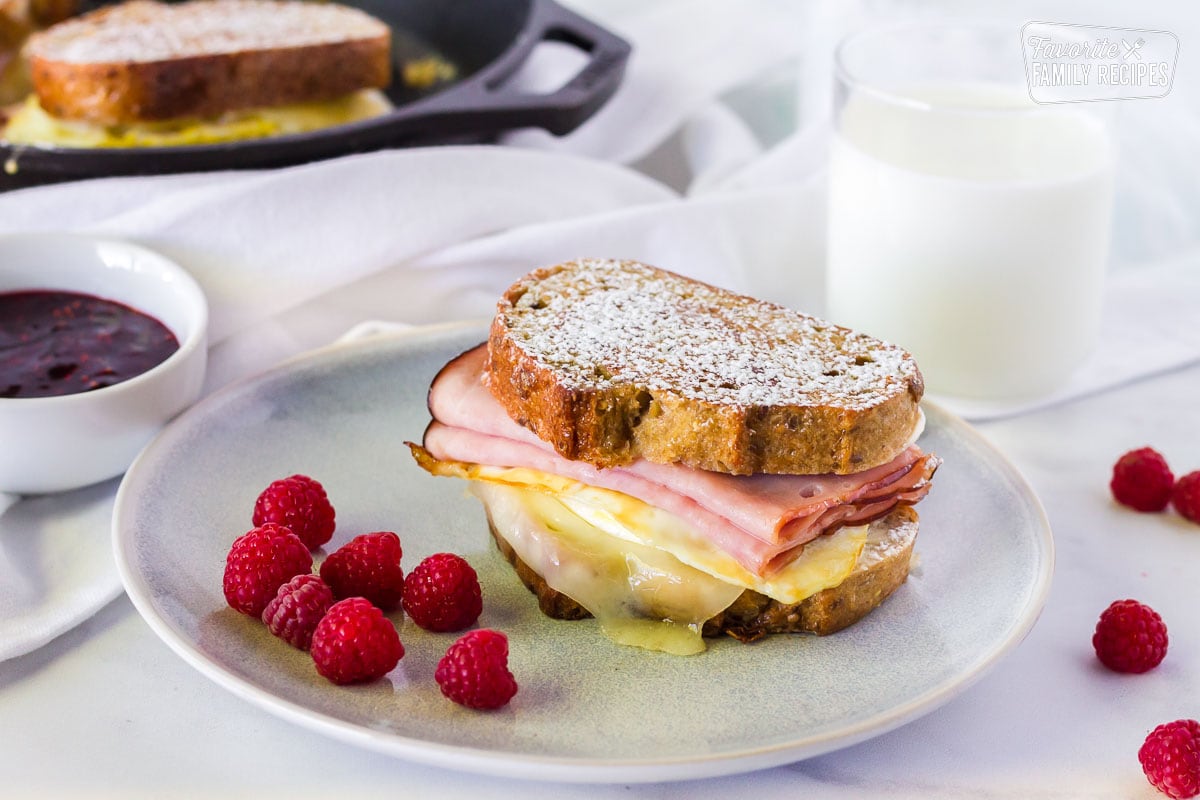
pixel 761 520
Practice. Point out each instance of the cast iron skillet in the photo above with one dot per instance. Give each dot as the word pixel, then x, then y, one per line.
pixel 486 40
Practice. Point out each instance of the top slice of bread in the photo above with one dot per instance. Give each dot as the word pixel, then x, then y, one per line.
pixel 144 61
pixel 609 361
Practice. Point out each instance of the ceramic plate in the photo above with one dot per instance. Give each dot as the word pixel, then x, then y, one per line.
pixel 587 710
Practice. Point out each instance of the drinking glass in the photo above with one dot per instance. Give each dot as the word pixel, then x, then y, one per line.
pixel 967 223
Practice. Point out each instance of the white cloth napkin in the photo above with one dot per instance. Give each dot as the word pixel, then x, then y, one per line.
pixel 56 558
pixel 691 167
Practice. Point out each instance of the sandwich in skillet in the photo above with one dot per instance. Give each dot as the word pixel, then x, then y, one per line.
pixel 145 73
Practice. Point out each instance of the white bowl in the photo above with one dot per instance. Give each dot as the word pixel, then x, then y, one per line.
pixel 51 444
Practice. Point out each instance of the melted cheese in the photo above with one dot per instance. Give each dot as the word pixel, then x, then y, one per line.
pixel 824 562
pixel 424 73
pixel 30 124
pixel 649 579
pixel 641 596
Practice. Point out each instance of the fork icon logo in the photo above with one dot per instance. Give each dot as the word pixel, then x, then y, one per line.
pixel 1131 50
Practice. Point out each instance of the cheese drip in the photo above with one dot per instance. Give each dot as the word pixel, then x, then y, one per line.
pixel 30 124
pixel 646 577
pixel 641 596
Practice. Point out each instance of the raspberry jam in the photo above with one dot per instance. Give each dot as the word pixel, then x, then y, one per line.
pixel 57 343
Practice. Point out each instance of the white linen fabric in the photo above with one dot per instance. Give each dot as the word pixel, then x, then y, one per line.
pixel 708 161
pixel 57 565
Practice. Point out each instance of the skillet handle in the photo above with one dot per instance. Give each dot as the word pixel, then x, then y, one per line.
pixel 485 101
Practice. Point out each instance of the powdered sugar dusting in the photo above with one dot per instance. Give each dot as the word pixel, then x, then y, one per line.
pixel 144 31
pixel 605 322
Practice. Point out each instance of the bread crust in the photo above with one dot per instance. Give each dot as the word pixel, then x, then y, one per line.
pixel 197 83
pixel 882 569
pixel 613 419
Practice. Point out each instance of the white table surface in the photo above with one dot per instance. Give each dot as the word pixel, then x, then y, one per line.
pixel 108 710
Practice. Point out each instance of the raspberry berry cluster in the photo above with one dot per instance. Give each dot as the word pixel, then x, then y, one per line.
pixel 339 614
pixel 1142 480
pixel 1131 637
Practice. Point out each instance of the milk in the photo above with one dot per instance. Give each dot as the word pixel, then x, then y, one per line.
pixel 971 227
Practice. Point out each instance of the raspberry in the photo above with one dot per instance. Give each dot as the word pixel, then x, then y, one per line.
pixel 1142 480
pixel 474 672
pixel 367 566
pixel 1186 496
pixel 259 562
pixel 295 611
pixel 354 643
pixel 1130 637
pixel 442 594
pixel 1170 758
pixel 300 503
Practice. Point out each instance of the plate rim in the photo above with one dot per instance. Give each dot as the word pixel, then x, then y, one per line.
pixel 557 768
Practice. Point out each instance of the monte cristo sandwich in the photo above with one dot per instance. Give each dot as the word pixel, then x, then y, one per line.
pixel 150 74
pixel 681 461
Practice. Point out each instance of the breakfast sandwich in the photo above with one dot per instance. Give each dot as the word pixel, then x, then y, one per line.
pixel 145 73
pixel 680 461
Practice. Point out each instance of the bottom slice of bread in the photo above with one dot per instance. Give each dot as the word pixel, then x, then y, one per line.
pixel 881 569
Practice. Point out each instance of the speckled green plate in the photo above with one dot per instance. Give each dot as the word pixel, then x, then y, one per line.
pixel 587 710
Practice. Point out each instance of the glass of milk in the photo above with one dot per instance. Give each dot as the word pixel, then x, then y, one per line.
pixel 967 223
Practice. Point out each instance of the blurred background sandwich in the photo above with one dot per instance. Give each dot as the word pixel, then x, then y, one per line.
pixel 145 73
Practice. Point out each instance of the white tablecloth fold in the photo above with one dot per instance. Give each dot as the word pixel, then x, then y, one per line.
pixel 56 558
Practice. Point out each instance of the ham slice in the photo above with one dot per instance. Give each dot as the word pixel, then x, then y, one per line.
pixel 761 520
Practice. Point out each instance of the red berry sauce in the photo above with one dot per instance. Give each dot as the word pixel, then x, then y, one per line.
pixel 56 343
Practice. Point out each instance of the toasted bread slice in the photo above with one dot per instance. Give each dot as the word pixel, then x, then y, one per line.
pixel 882 568
pixel 14 28
pixel 609 361
pixel 144 61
